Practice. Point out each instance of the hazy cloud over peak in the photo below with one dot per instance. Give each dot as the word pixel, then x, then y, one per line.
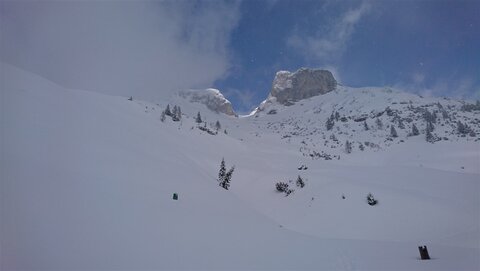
pixel 328 45
pixel 143 48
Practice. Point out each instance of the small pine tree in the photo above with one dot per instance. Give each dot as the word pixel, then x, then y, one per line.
pixel 337 116
pixel 222 172
pixel 415 131
pixel 198 119
pixel 281 186
pixel 430 126
pixel 462 128
pixel 361 147
pixel 300 182
pixel 162 116
pixel 330 122
pixel 365 125
pixel 228 178
pixel 224 178
pixel 217 125
pixel 429 136
pixel 176 113
pixel 400 124
pixel 393 132
pixel 379 123
pixel 179 113
pixel 371 200
pixel 429 116
pixel 348 146
pixel 167 111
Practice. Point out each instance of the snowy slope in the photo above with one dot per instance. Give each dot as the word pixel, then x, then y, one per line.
pixel 87 181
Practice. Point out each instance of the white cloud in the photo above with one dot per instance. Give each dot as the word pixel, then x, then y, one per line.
pixel 459 88
pixel 328 46
pixel 418 78
pixel 142 48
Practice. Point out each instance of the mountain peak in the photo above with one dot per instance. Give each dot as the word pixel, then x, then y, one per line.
pixel 290 87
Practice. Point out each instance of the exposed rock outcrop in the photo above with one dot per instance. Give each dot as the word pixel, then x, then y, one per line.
pixel 212 98
pixel 289 87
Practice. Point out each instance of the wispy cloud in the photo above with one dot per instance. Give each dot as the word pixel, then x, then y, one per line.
pixel 330 45
pixel 460 88
pixel 143 48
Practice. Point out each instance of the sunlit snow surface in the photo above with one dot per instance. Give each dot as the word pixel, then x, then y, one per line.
pixel 87 183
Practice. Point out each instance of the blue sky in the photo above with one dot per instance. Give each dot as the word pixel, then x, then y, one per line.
pixel 428 47
pixel 151 49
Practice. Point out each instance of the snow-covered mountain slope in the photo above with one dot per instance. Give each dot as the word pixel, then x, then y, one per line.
pixel 87 183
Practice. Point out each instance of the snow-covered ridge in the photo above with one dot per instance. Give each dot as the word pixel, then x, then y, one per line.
pixel 368 119
pixel 210 97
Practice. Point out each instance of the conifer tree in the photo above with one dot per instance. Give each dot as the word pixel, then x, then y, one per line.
pixel 300 182
pixel 400 124
pixel 162 116
pixel 415 131
pixel 379 123
pixel 330 122
pixel 393 132
pixel 167 111
pixel 462 128
pixel 337 116
pixel 430 126
pixel 217 125
pixel 176 113
pixel 348 146
pixel 228 178
pixel 365 125
pixel 179 113
pixel 222 172
pixel 199 118
pixel 429 136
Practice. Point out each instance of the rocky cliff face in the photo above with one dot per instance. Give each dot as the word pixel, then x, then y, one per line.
pixel 288 87
pixel 212 98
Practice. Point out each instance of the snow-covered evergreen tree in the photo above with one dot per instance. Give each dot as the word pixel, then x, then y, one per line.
pixel 365 125
pixel 429 136
pixel 330 122
pixel 300 182
pixel 179 113
pixel 371 200
pixel 348 146
pixel 415 131
pixel 228 178
pixel 224 178
pixel 176 113
pixel 429 116
pixel 162 116
pixel 222 172
pixel 462 128
pixel 167 111
pixel 393 132
pixel 217 125
pixel 379 123
pixel 198 119
pixel 430 126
